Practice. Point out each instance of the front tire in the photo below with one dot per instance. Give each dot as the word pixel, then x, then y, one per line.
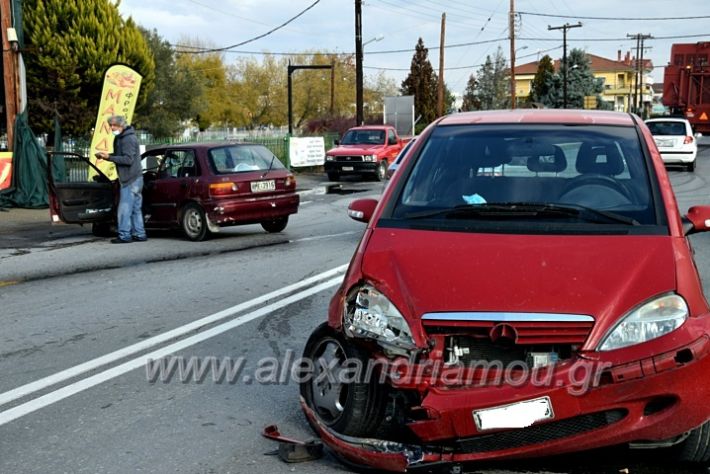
pixel 696 448
pixel 354 408
pixel 101 229
pixel 275 225
pixel 333 176
pixel 193 222
pixel 381 173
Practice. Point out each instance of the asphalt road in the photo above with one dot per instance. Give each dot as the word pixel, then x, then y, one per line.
pixel 74 391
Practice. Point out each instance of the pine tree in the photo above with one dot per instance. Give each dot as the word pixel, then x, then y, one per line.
pixel 72 43
pixel 542 84
pixel 493 80
pixel 580 82
pixel 471 100
pixel 422 84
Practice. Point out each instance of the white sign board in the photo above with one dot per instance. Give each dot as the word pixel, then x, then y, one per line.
pixel 306 151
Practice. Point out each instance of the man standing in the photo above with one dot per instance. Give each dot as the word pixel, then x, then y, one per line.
pixel 127 158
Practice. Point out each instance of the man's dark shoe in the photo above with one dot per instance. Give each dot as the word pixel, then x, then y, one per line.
pixel 140 239
pixel 120 241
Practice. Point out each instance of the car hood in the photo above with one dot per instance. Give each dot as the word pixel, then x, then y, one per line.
pixel 354 150
pixel 602 276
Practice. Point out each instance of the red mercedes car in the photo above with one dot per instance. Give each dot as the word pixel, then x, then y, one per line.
pixel 198 188
pixel 549 307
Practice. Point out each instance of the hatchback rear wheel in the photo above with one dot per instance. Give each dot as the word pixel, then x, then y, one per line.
pixel 193 222
pixel 275 225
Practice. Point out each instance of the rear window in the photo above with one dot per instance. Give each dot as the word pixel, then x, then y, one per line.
pixel 666 128
pixel 242 158
pixel 512 170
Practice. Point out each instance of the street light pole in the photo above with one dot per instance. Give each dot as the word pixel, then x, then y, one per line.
pixel 564 29
pixel 359 115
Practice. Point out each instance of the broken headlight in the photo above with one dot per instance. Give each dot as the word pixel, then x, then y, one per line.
pixel 653 319
pixel 369 314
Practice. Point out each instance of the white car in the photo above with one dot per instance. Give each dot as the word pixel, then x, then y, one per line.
pixel 675 141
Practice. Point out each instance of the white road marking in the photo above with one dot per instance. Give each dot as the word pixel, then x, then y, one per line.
pixel 76 387
pixel 71 372
pixel 323 237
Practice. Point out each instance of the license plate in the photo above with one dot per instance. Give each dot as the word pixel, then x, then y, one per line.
pixel 664 143
pixel 348 168
pixel 262 186
pixel 515 415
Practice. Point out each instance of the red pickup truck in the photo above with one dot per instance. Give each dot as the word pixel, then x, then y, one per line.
pixel 366 150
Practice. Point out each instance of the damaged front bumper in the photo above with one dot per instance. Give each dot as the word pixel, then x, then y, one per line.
pixel 653 404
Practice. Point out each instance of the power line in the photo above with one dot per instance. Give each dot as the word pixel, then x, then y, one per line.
pixel 216 50
pixel 614 18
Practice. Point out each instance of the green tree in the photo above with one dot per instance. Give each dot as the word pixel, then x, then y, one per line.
pixel 470 95
pixel 493 80
pixel 421 83
pixel 542 84
pixel 580 82
pixel 174 99
pixel 72 43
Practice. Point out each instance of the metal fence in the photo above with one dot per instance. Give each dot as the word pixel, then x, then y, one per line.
pixel 277 144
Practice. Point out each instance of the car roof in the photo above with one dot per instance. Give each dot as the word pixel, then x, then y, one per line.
pixel 208 145
pixel 566 116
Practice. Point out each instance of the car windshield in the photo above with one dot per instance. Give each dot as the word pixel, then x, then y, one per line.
pixel 666 128
pixel 239 158
pixel 551 174
pixel 363 137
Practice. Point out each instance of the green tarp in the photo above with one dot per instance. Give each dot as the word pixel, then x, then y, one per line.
pixel 29 170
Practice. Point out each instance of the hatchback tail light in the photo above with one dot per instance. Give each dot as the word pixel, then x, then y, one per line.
pixel 290 181
pixel 223 189
pixel 688 139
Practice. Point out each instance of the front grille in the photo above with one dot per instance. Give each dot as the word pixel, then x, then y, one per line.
pixel 539 433
pixel 349 158
pixel 526 333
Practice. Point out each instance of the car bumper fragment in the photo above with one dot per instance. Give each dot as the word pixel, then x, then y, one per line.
pixel 251 209
pixel 350 167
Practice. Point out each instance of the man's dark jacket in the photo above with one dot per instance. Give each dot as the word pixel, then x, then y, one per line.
pixel 127 156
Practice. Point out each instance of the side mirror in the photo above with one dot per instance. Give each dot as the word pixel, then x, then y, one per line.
pixel 361 210
pixel 699 216
pixel 336 142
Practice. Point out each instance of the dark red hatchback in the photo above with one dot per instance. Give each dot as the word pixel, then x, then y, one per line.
pixel 198 188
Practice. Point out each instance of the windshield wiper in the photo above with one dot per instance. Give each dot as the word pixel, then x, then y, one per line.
pixel 273 157
pixel 525 209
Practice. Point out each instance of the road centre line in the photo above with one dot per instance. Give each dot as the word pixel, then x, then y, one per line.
pixel 71 372
pixel 84 384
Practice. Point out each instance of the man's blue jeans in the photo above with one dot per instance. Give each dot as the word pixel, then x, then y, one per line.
pixel 130 216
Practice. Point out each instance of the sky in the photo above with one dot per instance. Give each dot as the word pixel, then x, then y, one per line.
pixel 474 29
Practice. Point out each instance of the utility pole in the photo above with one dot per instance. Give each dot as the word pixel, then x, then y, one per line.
pixel 440 86
pixel 10 71
pixel 564 29
pixel 511 29
pixel 638 68
pixel 332 87
pixel 359 114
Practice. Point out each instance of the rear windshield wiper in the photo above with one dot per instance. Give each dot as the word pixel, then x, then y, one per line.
pixel 523 209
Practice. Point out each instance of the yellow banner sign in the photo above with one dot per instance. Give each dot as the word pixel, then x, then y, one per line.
pixel 118 97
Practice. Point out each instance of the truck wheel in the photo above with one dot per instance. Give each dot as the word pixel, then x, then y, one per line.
pixel 333 176
pixel 381 170
pixel 354 408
